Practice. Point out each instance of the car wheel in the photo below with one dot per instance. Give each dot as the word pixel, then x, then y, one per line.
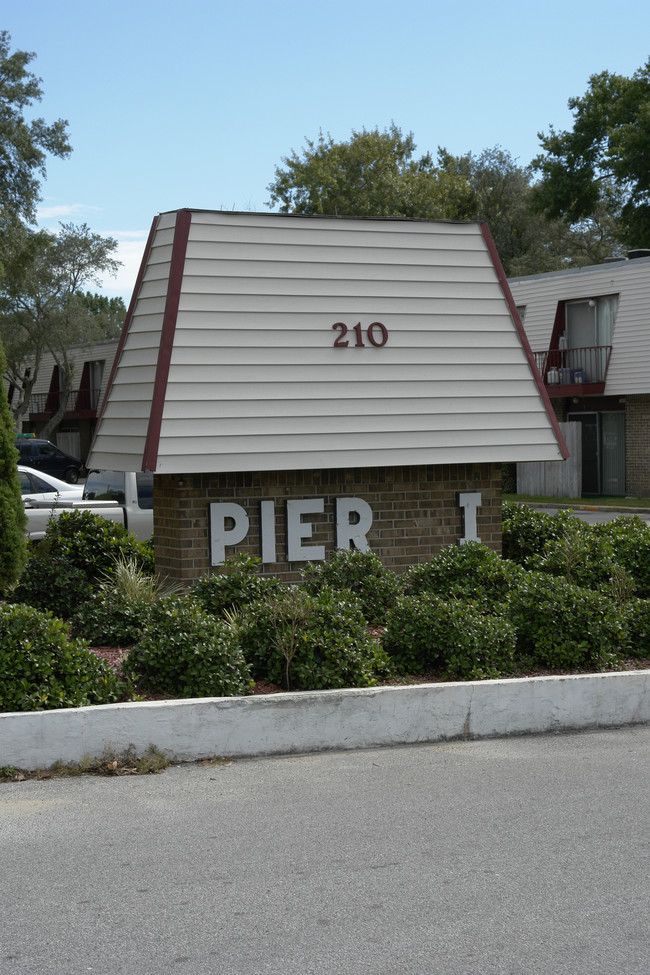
pixel 72 475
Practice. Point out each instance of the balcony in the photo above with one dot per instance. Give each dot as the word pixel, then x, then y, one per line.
pixel 79 404
pixel 567 372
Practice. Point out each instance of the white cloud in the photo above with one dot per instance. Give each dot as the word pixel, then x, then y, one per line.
pixel 130 248
pixel 61 210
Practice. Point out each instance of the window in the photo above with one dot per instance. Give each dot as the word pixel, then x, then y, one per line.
pixel 589 329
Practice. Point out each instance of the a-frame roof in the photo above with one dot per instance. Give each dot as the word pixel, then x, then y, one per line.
pixel 263 341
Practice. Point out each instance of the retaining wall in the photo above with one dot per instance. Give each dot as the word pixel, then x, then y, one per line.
pixel 319 720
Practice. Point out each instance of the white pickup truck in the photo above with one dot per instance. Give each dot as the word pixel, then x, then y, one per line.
pixel 126 498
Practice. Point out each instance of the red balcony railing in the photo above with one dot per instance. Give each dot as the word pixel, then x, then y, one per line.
pixel 574 367
pixel 75 401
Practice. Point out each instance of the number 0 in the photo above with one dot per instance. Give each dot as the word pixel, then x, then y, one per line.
pixel 383 333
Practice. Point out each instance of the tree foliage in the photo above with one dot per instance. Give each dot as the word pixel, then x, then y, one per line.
pixel 603 162
pixel 43 307
pixel 24 145
pixel 374 174
pixel 13 551
pixel 377 174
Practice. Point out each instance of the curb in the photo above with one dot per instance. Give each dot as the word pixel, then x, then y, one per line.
pixel 313 721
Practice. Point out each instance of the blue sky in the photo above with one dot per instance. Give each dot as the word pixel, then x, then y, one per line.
pixel 194 103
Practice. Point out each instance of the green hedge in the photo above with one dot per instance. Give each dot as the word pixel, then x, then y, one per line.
pixel 41 668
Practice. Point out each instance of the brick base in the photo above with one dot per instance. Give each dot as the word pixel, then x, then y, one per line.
pixel 415 512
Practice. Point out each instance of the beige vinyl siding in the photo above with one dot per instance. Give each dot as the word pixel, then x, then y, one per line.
pixel 127 411
pixel 629 367
pixel 255 382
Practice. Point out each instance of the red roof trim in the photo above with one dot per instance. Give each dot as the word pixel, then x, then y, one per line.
pixel 177 267
pixel 127 321
pixel 523 338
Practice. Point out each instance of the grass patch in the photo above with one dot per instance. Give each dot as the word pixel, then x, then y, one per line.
pixel 110 763
pixel 609 502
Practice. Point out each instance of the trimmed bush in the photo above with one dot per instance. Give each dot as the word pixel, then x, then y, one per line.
pixel 237 585
pixel 186 652
pixel 565 627
pixel 629 537
pixel 358 574
pixel 525 531
pixel 79 549
pixel 472 572
pixel 110 618
pixel 428 633
pixel 638 615
pixel 581 557
pixel 310 642
pixel 41 668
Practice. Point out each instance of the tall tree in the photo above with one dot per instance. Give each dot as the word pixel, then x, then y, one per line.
pixel 24 145
pixel 13 550
pixel 373 174
pixel 43 308
pixel 497 190
pixel 602 165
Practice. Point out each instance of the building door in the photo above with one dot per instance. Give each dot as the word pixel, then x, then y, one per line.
pixel 603 452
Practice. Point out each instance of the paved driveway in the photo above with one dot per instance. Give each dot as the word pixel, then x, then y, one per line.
pixel 524 856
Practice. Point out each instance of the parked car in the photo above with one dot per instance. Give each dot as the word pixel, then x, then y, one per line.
pixel 45 457
pixel 37 486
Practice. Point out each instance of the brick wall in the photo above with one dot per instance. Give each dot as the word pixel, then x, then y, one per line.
pixel 415 512
pixel 637 446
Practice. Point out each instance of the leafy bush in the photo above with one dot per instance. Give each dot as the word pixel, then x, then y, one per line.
pixel 52 583
pixel 359 574
pixel 563 626
pixel 472 572
pixel 427 633
pixel 41 669
pixel 310 642
pixel 581 557
pixel 638 615
pixel 79 549
pixel 111 618
pixel 186 652
pixel 629 537
pixel 238 584
pixel 525 531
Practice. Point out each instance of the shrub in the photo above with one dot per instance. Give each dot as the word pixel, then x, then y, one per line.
pixel 110 617
pixel 53 584
pixel 238 584
pixel 41 668
pixel 581 557
pixel 629 537
pixel 563 626
pixel 310 642
pixel 186 652
pixel 525 531
pixel 427 633
pixel 472 572
pixel 638 615
pixel 360 574
pixel 78 550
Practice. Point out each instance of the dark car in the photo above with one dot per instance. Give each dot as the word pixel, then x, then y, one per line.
pixel 45 456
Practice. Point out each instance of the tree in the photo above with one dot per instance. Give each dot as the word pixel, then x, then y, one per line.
pixel 603 164
pixel 496 190
pixel 43 308
pixel 374 174
pixel 108 313
pixel 24 145
pixel 13 549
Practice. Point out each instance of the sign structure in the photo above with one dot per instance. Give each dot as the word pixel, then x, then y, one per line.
pixel 230 525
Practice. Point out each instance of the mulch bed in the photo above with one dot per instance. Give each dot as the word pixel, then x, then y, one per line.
pixel 115 655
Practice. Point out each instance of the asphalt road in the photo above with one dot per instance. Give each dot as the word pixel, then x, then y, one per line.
pixel 524 856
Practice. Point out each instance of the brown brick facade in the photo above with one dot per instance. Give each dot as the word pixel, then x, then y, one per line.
pixel 415 512
pixel 637 446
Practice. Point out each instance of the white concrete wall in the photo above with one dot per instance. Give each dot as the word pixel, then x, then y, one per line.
pixel 320 720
